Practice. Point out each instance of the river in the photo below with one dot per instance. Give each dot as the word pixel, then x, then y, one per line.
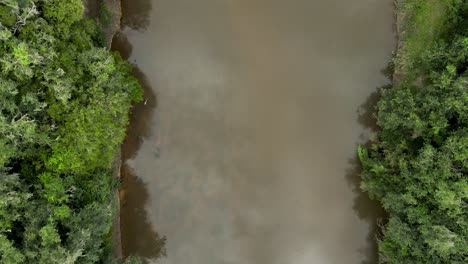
pixel 244 149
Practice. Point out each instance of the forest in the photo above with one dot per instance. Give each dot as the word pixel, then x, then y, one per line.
pixel 64 106
pixel 417 163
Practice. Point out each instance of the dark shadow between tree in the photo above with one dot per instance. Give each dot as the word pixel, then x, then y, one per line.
pixel 137 234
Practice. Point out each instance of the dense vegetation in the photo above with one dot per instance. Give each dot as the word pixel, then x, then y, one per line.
pixel 418 163
pixel 64 102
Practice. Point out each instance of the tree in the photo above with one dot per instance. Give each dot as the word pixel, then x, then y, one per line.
pixel 418 165
pixel 64 103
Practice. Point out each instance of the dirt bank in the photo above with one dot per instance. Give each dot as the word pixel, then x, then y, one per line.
pixel 400 18
pixel 107 13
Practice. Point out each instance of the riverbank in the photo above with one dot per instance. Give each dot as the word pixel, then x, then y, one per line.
pixel 397 75
pixel 416 165
pixel 108 14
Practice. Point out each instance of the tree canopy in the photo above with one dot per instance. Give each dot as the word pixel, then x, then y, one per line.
pixel 417 167
pixel 64 103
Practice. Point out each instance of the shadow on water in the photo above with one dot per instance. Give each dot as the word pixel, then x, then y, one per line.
pixel 366 209
pixel 138 236
pixel 135 13
pixel 366 113
pixel 121 44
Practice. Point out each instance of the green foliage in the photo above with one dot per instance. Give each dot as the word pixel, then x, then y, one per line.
pixel 9 253
pixel 105 16
pixel 13 199
pixel 418 165
pixel 64 13
pixel 424 23
pixel 92 133
pixel 49 235
pixel 7 16
pixel 53 188
pixel 132 260
pixel 64 103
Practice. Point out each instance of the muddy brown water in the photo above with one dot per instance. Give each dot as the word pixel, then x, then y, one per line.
pixel 244 149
